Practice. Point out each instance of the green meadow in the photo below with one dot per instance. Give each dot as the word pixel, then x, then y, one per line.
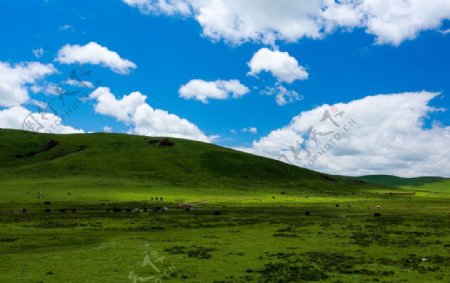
pixel 120 208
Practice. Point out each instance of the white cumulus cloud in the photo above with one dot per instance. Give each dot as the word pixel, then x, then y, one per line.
pixel 132 109
pixel 203 90
pixel 381 134
pixel 107 129
pixel 266 21
pixel 401 20
pixel 121 109
pixel 281 65
pixel 15 81
pixel 95 54
pixel 20 118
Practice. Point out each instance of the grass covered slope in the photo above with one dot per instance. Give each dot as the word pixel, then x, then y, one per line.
pixel 169 162
pixel 429 184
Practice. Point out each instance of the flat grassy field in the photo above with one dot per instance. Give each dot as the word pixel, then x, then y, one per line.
pixel 251 219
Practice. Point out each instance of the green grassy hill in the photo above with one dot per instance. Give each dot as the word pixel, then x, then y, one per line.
pixel 174 162
pixel 432 184
pixel 89 168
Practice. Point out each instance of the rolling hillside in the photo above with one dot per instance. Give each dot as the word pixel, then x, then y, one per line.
pixel 433 184
pixel 169 162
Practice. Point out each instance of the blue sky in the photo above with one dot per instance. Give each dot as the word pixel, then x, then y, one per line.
pixel 170 48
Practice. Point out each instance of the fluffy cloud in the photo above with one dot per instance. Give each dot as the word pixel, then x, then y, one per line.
pixel 121 109
pixel 15 79
pixel 23 119
pixel 107 129
pixel 132 109
pixel 203 90
pixel 281 65
pixel 93 53
pixel 402 19
pixel 266 21
pixel 381 134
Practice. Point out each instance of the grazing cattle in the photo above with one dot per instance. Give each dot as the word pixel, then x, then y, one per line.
pixel 48 210
pixel 24 210
pixel 47 203
pixel 128 209
pixel 137 210
pixel 107 210
pixel 378 206
pixel 74 210
pixel 145 209
pixel 337 205
pixel 307 213
pixel 156 209
pixel 283 193
pixel 115 209
pixel 216 212
pixel 62 210
pixel 164 209
pixel 377 214
pixel 348 205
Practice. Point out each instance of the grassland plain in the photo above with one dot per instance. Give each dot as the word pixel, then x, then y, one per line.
pixel 249 219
